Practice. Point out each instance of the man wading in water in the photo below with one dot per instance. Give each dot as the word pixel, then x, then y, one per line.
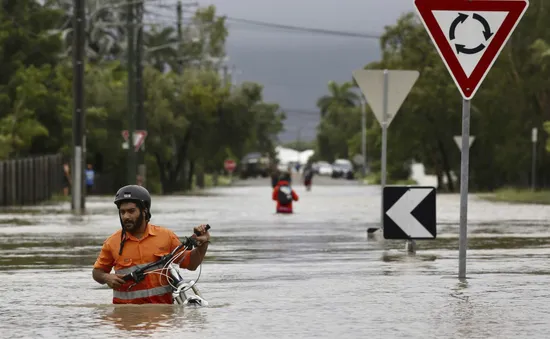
pixel 139 243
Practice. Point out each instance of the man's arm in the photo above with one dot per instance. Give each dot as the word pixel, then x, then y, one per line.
pixel 103 266
pixel 275 191
pixel 196 256
pixel 99 275
pixel 112 280
pixel 193 258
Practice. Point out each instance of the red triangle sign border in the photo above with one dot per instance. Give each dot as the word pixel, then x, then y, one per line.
pixel 468 86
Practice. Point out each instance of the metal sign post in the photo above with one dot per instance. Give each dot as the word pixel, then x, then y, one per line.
pixel 469 36
pixel 384 124
pixel 384 91
pixel 534 135
pixel 464 168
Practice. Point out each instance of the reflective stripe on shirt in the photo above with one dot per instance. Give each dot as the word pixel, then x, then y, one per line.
pixel 142 293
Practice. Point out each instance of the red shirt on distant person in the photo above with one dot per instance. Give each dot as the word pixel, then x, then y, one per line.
pixel 284 206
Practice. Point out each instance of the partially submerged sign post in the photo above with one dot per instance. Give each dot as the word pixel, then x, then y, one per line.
pixel 384 91
pixel 469 36
pixel 410 212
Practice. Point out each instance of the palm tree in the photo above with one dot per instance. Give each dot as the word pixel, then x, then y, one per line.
pixel 339 96
pixel 105 36
pixel 161 47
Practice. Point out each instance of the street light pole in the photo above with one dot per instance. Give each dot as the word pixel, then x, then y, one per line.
pixel 131 65
pixel 364 135
pixel 79 41
pixel 141 118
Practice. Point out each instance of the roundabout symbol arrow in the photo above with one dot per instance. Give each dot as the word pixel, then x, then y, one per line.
pixel 462 49
pixel 461 19
pixel 486 28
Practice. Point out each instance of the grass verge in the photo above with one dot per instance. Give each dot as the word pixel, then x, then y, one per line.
pixel 521 196
pixel 223 181
pixel 374 179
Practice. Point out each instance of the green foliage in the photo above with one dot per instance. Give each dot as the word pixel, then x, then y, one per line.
pixel 335 129
pixel 27 63
pixel 340 96
pixel 19 126
pixel 520 196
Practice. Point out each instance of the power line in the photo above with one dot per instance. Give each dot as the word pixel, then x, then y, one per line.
pixel 279 27
pixel 300 111
pixel 304 29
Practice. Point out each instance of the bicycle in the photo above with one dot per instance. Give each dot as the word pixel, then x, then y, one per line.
pixel 179 286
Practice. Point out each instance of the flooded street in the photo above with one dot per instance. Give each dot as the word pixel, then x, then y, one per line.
pixel 314 274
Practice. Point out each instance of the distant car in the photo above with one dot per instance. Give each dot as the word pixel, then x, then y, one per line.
pixel 342 168
pixel 254 165
pixel 324 168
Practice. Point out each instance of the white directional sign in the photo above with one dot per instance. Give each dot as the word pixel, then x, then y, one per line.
pixel 385 91
pixel 458 141
pixel 410 212
pixel 394 89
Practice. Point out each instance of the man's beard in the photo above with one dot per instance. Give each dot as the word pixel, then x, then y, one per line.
pixel 131 226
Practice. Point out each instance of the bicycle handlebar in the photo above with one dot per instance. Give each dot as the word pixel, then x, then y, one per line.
pixel 138 275
pixel 198 234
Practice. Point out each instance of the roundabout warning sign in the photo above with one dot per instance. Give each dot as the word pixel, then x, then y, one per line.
pixel 469 35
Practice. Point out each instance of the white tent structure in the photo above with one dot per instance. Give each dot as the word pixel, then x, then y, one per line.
pixel 305 155
pixel 288 156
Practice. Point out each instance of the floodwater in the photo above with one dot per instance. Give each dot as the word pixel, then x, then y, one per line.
pixel 314 274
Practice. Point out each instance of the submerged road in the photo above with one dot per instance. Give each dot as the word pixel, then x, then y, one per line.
pixel 314 274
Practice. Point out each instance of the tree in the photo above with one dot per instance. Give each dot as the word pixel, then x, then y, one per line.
pixel 161 48
pixel 28 58
pixel 339 96
pixel 104 29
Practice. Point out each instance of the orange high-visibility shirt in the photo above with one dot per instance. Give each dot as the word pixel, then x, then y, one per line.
pixel 156 242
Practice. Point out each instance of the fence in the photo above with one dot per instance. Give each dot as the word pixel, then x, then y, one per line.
pixel 29 181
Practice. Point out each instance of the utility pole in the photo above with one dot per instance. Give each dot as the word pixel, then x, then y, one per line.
pixel 79 41
pixel 131 65
pixel 534 135
pixel 141 119
pixel 179 11
pixel 225 75
pixel 179 14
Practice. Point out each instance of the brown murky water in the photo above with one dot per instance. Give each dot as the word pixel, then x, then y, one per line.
pixel 314 274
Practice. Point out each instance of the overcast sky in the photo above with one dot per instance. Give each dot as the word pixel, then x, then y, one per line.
pixel 295 67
